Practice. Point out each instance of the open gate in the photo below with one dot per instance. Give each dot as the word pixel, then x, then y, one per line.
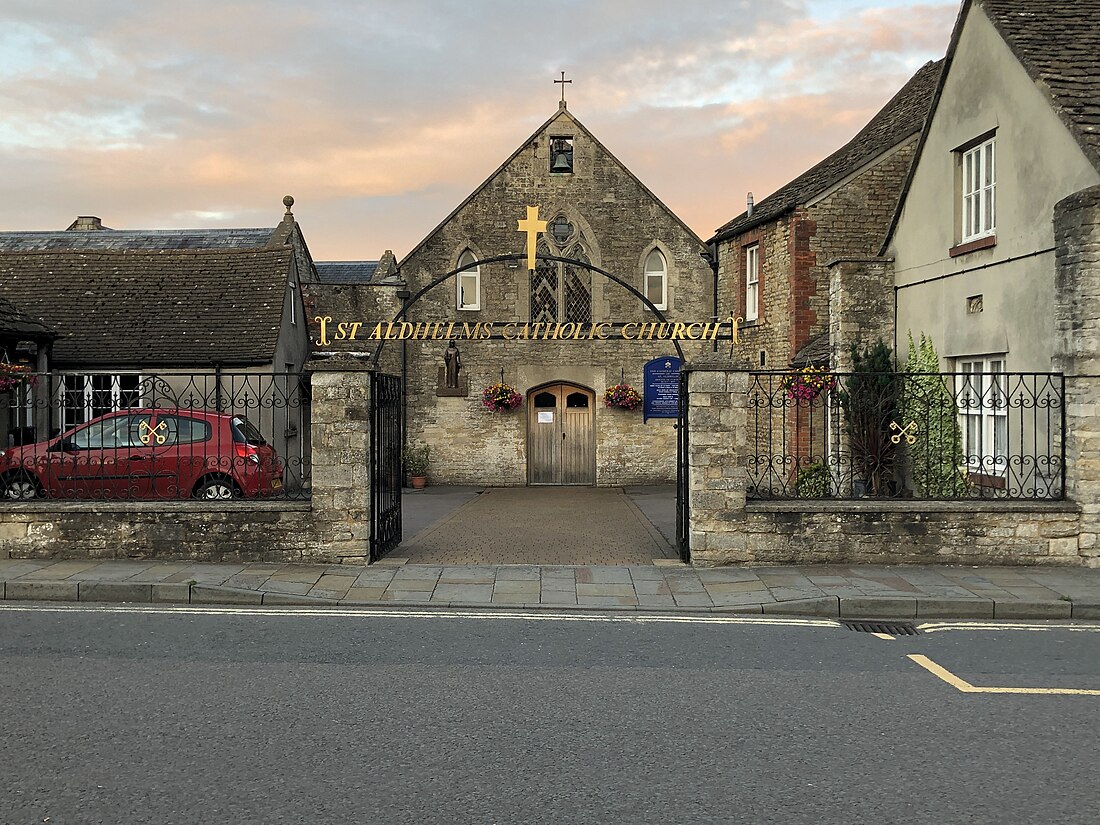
pixel 683 545
pixel 385 464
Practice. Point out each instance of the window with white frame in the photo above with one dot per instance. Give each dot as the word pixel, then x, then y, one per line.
pixel 983 405
pixel 752 282
pixel 84 397
pixel 979 190
pixel 292 296
pixel 469 283
pixel 656 279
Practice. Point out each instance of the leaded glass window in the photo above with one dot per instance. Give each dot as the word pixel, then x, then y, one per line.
pixel 562 292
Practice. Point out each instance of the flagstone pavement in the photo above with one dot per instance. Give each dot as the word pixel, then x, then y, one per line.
pixel 846 591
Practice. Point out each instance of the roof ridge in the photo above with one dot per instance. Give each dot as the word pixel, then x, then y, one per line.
pixel 848 157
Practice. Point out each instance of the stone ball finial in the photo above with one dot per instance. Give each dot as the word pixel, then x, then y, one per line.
pixel 288 201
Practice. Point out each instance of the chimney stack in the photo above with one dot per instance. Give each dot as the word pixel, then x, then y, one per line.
pixel 86 223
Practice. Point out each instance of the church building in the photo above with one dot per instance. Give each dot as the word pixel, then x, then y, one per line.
pixel 600 220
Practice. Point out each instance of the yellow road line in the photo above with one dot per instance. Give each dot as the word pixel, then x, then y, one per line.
pixel 964 686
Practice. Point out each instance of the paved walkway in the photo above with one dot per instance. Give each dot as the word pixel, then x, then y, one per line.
pixel 850 592
pixel 536 525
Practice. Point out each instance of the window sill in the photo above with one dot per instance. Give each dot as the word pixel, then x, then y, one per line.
pixel 755 322
pixel 973 246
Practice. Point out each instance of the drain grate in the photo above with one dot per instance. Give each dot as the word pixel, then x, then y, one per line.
pixel 892 628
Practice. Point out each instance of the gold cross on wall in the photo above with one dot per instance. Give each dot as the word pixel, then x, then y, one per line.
pixel 532 226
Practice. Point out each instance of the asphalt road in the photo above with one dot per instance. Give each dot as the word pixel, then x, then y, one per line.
pixel 258 716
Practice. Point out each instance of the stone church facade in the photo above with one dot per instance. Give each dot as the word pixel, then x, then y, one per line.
pixel 597 212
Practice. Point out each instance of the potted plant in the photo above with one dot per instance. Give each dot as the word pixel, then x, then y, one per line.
pixel 869 399
pixel 808 383
pixel 500 397
pixel 623 396
pixel 415 459
pixel 14 375
pixel 814 481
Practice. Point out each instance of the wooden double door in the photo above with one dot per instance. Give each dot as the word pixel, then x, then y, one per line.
pixel 561 435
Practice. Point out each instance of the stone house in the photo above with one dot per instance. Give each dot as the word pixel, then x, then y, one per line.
pixel 164 313
pixel 773 258
pixel 598 213
pixel 1014 129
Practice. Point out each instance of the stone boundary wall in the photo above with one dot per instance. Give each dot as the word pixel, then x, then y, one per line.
pixel 727 528
pixel 333 527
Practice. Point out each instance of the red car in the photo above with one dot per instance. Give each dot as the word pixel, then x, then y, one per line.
pixel 146 453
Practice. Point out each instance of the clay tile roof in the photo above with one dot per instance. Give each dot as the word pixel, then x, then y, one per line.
pixel 898 120
pixel 15 322
pixel 142 308
pixel 1058 43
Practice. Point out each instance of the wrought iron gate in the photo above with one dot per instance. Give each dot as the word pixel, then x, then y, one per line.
pixel 385 464
pixel 683 546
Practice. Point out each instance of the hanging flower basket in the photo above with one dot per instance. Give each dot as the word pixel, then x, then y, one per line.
pixel 622 395
pixel 501 397
pixel 808 383
pixel 15 375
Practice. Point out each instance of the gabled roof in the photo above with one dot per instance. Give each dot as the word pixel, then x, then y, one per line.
pixel 562 112
pixel 895 123
pixel 117 240
pixel 1058 43
pixel 153 308
pixel 345 272
pixel 14 322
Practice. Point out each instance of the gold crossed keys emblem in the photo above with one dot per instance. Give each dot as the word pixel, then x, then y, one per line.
pixel 908 432
pixel 148 434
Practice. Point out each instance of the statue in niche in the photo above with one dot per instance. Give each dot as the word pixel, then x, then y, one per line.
pixel 451 381
pixel 452 363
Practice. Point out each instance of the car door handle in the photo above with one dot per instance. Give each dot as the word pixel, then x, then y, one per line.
pixel 138 458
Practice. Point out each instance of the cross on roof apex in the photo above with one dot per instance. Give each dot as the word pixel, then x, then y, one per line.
pixel 563 81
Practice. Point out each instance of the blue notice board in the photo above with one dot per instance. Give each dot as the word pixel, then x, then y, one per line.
pixel 661 396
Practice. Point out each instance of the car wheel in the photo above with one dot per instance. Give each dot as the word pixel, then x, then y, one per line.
pixel 20 487
pixel 217 489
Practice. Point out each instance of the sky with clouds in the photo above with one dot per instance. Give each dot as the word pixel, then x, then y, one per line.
pixel 380 117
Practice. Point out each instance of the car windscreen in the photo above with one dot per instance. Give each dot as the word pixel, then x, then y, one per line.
pixel 245 432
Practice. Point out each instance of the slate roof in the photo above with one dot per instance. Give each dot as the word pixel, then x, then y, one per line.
pixel 345 272
pixel 1058 43
pixel 159 308
pixel 136 239
pixel 813 353
pixel 16 323
pixel 897 121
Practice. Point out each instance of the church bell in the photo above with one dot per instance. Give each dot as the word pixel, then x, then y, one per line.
pixel 561 162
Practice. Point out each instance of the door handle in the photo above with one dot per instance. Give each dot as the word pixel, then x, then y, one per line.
pixel 138 458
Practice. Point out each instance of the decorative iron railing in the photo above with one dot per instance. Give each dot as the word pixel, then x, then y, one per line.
pixel 103 436
pixel 819 434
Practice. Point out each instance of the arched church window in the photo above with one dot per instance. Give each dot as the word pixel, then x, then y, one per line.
pixel 546 399
pixel 562 292
pixel 576 400
pixel 469 282
pixel 544 289
pixel 577 289
pixel 656 279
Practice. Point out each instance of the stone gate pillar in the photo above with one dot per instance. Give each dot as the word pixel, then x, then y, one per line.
pixel 1077 354
pixel 861 306
pixel 340 431
pixel 717 452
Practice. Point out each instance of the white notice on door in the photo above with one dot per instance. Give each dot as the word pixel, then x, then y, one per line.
pixel 546 417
